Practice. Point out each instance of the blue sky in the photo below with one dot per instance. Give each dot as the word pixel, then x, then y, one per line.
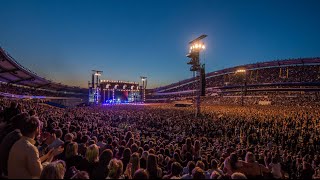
pixel 64 40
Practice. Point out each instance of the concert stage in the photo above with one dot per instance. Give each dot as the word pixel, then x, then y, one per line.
pixel 116 92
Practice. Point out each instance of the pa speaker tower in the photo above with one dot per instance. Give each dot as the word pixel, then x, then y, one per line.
pixel 203 80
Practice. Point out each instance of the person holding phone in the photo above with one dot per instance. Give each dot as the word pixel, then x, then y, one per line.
pixel 24 161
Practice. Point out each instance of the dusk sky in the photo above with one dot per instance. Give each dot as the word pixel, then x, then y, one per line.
pixel 63 40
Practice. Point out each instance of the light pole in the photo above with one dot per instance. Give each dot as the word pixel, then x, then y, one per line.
pixel 196 46
pixel 244 86
pixel 144 86
pixel 96 85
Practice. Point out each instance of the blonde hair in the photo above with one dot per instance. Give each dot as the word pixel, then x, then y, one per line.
pixel 92 153
pixel 54 170
pixel 115 168
pixel 71 150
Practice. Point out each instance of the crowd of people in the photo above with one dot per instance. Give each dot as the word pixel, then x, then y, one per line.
pixel 29 91
pixel 310 73
pixel 158 142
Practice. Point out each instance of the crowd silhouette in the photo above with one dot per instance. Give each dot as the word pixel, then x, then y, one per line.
pixel 158 142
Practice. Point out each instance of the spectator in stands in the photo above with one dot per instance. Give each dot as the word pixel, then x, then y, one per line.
pixel 252 169
pixel 141 174
pixel 10 140
pixel 126 157
pixel 54 170
pixel 134 163
pixel 91 161
pixel 198 173
pixel 101 142
pixel 115 169
pixel 72 157
pixel 214 169
pixel 57 142
pixel 81 175
pixel 152 167
pixel 10 112
pixel 190 168
pixel 238 175
pixel 176 170
pixel 102 171
pixel 24 161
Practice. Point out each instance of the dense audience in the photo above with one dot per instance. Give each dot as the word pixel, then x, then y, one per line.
pixel 158 142
pixel 293 73
pixel 23 90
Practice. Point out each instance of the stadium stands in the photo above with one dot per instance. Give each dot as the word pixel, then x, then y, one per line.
pixel 260 79
pixel 19 82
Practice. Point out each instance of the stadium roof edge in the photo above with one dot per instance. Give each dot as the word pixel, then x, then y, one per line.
pixel 11 71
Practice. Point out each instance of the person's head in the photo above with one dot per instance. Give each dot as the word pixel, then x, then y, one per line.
pixel 176 169
pixel 198 173
pixel 92 153
pixel 32 112
pixel 197 145
pixel 141 174
pixel 250 157
pixel 81 175
pixel 189 156
pixel 215 175
pixel 145 155
pixel 200 164
pixel 152 164
pixel 54 170
pixel 58 133
pixel 68 137
pixel 105 157
pixel 128 136
pixel 101 138
pixel 233 160
pixel 188 143
pixel 238 175
pixel 94 139
pixel 214 164
pixel 135 161
pixel 31 127
pixel 19 120
pixel 115 168
pixel 71 150
pixel 191 166
pixel 176 157
pixel 134 148
pixel 13 104
pixel 275 160
pixel 120 152
pixel 126 154
pixel 160 159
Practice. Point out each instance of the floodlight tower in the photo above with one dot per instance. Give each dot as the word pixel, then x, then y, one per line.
pixel 244 86
pixel 96 86
pixel 144 87
pixel 196 46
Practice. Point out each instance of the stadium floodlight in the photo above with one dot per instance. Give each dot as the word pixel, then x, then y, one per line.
pixel 241 71
pixel 244 86
pixel 144 86
pixel 196 46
